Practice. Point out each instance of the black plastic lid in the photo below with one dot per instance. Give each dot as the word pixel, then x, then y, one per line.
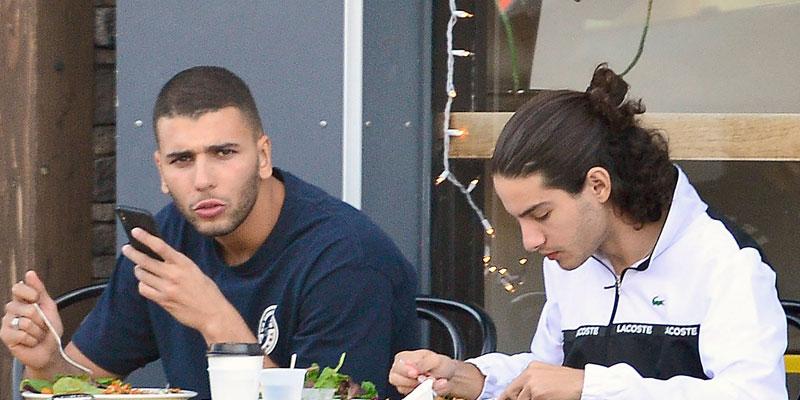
pixel 234 349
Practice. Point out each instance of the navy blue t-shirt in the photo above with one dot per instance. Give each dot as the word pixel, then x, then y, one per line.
pixel 326 281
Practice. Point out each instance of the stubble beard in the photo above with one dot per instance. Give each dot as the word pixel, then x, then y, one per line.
pixel 242 208
pixel 590 221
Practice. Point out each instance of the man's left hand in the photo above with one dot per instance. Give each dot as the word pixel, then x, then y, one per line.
pixel 542 381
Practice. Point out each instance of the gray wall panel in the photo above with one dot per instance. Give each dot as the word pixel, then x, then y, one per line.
pixel 290 57
pixel 396 158
pixel 290 53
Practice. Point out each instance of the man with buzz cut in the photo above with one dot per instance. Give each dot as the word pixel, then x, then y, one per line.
pixel 251 254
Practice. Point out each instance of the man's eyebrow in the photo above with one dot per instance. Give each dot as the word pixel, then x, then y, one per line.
pixel 210 149
pixel 217 147
pixel 532 208
pixel 179 154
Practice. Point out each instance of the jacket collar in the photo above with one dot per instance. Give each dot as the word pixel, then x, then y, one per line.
pixel 685 208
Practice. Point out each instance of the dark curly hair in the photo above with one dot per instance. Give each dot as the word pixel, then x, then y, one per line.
pixel 562 134
pixel 198 90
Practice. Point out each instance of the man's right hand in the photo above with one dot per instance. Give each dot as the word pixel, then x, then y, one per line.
pixel 411 367
pixel 23 331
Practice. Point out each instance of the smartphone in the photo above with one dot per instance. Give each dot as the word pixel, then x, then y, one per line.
pixel 132 217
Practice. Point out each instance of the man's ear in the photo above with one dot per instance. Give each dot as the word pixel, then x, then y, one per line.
pixel 598 184
pixel 264 148
pixel 157 159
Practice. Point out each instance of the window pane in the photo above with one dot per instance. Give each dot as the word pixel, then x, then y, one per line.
pixel 700 56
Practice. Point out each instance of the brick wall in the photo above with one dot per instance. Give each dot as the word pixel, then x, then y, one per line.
pixel 104 140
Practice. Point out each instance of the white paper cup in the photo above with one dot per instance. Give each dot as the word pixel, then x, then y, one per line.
pixel 233 370
pixel 255 363
pixel 282 383
pixel 233 384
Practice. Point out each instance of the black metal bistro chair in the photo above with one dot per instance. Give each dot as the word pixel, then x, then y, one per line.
pixel 457 319
pixel 792 357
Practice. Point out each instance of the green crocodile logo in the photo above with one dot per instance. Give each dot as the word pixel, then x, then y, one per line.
pixel 657 301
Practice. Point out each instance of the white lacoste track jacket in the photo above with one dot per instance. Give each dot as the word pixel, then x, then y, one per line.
pixel 699 319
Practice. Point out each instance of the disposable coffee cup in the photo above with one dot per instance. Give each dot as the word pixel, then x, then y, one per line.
pixel 235 356
pixel 282 383
pixel 233 370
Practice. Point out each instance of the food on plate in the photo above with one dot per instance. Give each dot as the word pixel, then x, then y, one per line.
pixel 346 388
pixel 63 384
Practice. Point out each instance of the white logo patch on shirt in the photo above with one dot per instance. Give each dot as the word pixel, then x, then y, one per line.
pixel 268 331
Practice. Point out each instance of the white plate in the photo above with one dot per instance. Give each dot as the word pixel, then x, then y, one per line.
pixel 183 394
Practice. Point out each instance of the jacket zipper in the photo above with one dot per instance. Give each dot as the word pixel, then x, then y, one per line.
pixel 617 284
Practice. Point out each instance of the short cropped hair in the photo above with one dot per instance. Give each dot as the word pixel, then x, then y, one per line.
pixel 198 90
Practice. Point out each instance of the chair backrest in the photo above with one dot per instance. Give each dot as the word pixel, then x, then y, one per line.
pixel 792 357
pixel 455 317
pixel 63 301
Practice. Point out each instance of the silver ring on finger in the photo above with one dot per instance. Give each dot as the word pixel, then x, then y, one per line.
pixel 15 323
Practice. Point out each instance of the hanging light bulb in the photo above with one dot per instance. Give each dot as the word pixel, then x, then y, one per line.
pixel 472 185
pixel 487 226
pixel 441 177
pixel 456 132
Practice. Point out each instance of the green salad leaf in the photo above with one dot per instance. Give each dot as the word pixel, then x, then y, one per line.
pixel 64 384
pixel 72 384
pixel 312 375
pixel 369 389
pixel 35 385
pixel 330 378
pixel 105 381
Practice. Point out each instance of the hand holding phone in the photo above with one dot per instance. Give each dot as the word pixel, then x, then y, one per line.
pixel 132 217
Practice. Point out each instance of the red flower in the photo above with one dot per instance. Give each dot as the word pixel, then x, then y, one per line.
pixel 503 5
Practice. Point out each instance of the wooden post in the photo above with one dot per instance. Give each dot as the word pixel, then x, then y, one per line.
pixel 46 98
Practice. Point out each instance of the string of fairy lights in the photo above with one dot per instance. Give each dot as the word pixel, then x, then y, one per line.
pixel 509 281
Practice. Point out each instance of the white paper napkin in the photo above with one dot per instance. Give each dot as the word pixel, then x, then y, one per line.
pixel 422 392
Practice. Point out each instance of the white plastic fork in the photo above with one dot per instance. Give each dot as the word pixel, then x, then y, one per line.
pixel 58 340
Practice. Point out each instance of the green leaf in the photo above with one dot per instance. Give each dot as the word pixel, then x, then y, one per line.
pixel 330 378
pixel 369 389
pixel 312 375
pixel 69 384
pixel 105 381
pixel 341 362
pixel 34 385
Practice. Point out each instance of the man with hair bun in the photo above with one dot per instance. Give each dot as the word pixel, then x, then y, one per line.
pixel 648 296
